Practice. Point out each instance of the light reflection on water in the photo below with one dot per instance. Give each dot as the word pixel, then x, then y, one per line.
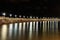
pixel 37 28
pixel 27 26
pixel 20 28
pixel 30 31
pixel 23 31
pixel 19 32
pixel 15 29
pixel 10 30
pixel 4 32
pixel 30 35
pixel 30 27
pixel 33 26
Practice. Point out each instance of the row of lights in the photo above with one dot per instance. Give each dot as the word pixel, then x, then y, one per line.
pixel 4 14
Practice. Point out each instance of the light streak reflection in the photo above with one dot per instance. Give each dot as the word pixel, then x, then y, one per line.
pixel 33 26
pixel 20 28
pixel 24 25
pixel 30 31
pixel 4 32
pixel 10 30
pixel 36 28
pixel 15 29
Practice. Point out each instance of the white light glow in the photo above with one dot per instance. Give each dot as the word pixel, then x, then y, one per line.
pixel 48 26
pixel 10 15
pixel 4 14
pixel 20 16
pixel 4 32
pixel 30 31
pixel 24 25
pixel 37 26
pixel 10 30
pixel 43 27
pixel 30 35
pixel 30 26
pixel 15 29
pixel 27 25
pixel 15 15
pixel 23 16
pixel 40 25
pixel 20 28
pixel 56 26
pixel 30 16
pixel 33 26
pixel 53 26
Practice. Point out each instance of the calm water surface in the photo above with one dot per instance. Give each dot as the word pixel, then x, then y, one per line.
pixel 28 31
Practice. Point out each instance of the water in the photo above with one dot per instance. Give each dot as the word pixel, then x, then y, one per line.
pixel 46 30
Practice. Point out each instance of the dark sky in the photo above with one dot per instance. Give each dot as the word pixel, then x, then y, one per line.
pixel 54 7
pixel 31 7
pixel 16 7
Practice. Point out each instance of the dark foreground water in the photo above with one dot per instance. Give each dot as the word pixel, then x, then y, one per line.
pixel 17 32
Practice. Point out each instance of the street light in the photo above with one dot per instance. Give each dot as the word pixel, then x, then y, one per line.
pixel 15 15
pixel 34 17
pixel 27 17
pixel 4 14
pixel 30 16
pixel 10 15
pixel 37 17
pixel 23 16
pixel 20 16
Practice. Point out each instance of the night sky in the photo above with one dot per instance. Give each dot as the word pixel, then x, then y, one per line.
pixel 47 8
